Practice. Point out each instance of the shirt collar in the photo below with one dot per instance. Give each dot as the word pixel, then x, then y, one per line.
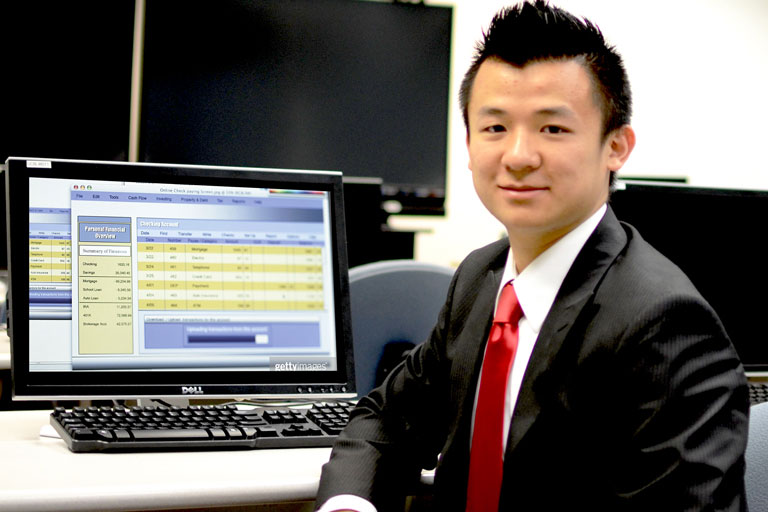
pixel 537 285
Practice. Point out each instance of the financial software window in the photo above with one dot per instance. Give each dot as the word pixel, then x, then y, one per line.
pixel 160 276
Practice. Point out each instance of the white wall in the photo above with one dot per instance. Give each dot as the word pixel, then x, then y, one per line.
pixel 699 74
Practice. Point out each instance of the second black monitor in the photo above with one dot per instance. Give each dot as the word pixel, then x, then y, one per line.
pixel 716 236
pixel 355 86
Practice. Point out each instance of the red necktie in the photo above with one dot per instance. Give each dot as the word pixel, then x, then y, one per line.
pixel 485 459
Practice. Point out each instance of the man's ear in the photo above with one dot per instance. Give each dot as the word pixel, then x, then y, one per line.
pixel 619 145
pixel 469 154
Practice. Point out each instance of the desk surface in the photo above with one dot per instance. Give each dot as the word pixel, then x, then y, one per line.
pixel 38 474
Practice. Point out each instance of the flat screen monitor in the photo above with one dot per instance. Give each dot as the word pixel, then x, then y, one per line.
pixel 357 86
pixel 161 281
pixel 713 234
pixel 67 70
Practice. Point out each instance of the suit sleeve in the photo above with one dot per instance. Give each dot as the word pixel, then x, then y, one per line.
pixel 683 415
pixel 395 431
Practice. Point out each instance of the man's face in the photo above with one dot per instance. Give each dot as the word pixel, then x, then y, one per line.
pixel 535 145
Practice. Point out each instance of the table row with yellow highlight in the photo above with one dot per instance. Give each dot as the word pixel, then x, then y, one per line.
pixel 50 265
pixel 231 299
pixel 49 245
pixel 230 305
pixel 212 266
pixel 228 285
pixel 187 248
pixel 50 276
pixel 214 247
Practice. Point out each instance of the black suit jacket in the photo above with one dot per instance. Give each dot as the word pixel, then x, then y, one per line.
pixel 633 399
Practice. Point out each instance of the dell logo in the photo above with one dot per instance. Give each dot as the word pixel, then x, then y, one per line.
pixel 192 390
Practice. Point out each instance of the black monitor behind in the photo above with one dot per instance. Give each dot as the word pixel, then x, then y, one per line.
pixel 355 86
pixel 714 235
pixel 368 237
pixel 67 78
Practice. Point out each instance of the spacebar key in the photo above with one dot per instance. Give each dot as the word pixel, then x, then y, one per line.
pixel 191 434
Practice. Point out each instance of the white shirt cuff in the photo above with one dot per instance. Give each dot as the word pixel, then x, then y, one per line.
pixel 347 502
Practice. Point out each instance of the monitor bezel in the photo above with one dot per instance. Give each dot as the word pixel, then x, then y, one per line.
pixel 27 385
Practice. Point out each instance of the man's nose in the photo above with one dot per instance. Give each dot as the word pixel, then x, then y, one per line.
pixel 521 152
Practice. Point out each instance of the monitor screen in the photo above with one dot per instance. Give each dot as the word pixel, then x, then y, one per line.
pixel 356 86
pixel 139 280
pixel 712 234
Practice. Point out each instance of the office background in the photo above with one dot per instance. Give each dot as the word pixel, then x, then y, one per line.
pixel 698 69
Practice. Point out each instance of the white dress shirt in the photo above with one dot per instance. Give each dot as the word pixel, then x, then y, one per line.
pixel 536 288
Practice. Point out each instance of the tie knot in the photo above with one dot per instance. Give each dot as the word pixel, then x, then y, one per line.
pixel 508 310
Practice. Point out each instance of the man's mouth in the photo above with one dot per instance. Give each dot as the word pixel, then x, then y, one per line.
pixel 521 190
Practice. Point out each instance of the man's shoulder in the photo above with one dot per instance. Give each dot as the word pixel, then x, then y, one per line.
pixel 473 274
pixel 643 276
pixel 644 263
pixel 493 255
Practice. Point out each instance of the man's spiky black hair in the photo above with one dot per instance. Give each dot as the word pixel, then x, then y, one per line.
pixel 535 31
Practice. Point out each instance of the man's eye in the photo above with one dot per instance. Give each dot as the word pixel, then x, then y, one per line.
pixel 554 129
pixel 496 128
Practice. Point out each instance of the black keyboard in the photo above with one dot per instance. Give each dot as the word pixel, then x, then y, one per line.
pixel 758 392
pixel 199 427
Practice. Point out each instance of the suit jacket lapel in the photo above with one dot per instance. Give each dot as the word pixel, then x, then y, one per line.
pixel 470 359
pixel 582 279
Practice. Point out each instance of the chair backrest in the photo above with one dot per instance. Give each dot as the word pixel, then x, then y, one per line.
pixel 756 478
pixel 394 305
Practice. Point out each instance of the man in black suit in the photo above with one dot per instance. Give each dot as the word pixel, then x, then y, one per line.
pixel 625 392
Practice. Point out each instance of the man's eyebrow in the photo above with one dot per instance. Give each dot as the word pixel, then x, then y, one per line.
pixel 492 111
pixel 558 111
pixel 561 111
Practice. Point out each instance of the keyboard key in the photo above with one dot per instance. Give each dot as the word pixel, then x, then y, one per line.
pixel 267 431
pixel 758 392
pixel 170 435
pixel 217 433
pixel 82 434
pixel 235 433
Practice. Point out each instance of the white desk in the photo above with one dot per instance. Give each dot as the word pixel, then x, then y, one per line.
pixel 41 474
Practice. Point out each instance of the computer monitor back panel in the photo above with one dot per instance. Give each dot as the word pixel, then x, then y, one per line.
pixel 148 280
pixel 715 235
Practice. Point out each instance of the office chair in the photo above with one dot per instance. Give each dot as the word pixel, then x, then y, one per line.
pixel 756 478
pixel 394 305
